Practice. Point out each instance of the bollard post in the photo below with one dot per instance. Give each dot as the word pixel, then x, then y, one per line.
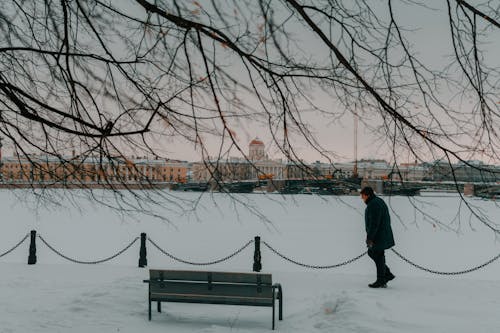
pixel 143 261
pixel 257 264
pixel 32 253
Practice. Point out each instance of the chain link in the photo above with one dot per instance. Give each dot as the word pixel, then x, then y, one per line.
pixel 88 262
pixel 312 266
pixel 200 263
pixel 446 273
pixel 15 246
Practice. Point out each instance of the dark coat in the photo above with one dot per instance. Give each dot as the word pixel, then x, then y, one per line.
pixel 378 224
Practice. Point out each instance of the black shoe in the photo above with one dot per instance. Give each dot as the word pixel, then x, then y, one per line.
pixel 378 284
pixel 389 276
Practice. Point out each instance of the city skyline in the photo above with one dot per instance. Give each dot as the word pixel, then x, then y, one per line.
pixel 256 165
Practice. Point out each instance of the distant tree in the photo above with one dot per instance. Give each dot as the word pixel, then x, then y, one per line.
pixel 113 78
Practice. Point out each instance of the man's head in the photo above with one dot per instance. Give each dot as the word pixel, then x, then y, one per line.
pixel 366 193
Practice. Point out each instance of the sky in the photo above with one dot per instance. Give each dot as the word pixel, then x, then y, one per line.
pixel 426 29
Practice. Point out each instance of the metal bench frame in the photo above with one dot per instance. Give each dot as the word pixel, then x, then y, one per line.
pixel 211 287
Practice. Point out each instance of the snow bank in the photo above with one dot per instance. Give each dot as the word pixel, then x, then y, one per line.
pixel 440 233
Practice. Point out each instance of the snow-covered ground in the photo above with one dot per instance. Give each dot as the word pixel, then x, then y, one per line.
pixel 56 295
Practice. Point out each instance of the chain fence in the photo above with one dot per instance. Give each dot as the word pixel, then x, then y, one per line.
pixel 88 262
pixel 246 245
pixel 445 273
pixel 296 262
pixel 15 246
pixel 213 262
pixel 312 266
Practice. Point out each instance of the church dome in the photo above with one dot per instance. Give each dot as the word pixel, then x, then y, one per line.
pixel 256 142
pixel 256 150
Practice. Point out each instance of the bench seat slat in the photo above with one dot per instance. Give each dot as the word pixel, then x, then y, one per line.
pixel 211 299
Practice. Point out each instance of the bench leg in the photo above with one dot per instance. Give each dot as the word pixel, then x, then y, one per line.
pixel 280 298
pixel 280 314
pixel 273 310
pixel 150 309
pixel 159 306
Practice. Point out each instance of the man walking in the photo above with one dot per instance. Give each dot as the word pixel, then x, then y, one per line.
pixel 379 235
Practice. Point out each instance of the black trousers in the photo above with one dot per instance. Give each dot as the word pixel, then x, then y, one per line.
pixel 378 256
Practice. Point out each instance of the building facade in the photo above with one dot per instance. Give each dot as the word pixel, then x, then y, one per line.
pixel 471 171
pixel 50 169
pixel 256 166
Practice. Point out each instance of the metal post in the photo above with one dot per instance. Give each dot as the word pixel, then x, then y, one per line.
pixel 32 253
pixel 143 261
pixel 257 264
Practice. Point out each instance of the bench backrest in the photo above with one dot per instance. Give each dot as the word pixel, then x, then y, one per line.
pixel 212 287
pixel 215 277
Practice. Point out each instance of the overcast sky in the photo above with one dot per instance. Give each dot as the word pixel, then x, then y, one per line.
pixel 429 34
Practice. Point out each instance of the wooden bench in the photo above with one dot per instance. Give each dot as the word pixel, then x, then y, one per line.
pixel 253 289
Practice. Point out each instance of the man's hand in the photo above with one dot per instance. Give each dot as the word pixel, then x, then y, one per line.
pixel 369 243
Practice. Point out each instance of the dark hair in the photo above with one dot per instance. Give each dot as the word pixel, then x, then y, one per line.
pixel 367 191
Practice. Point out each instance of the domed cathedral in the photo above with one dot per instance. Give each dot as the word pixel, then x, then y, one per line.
pixel 257 166
pixel 256 150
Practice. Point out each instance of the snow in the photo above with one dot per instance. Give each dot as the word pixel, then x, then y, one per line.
pixel 56 295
